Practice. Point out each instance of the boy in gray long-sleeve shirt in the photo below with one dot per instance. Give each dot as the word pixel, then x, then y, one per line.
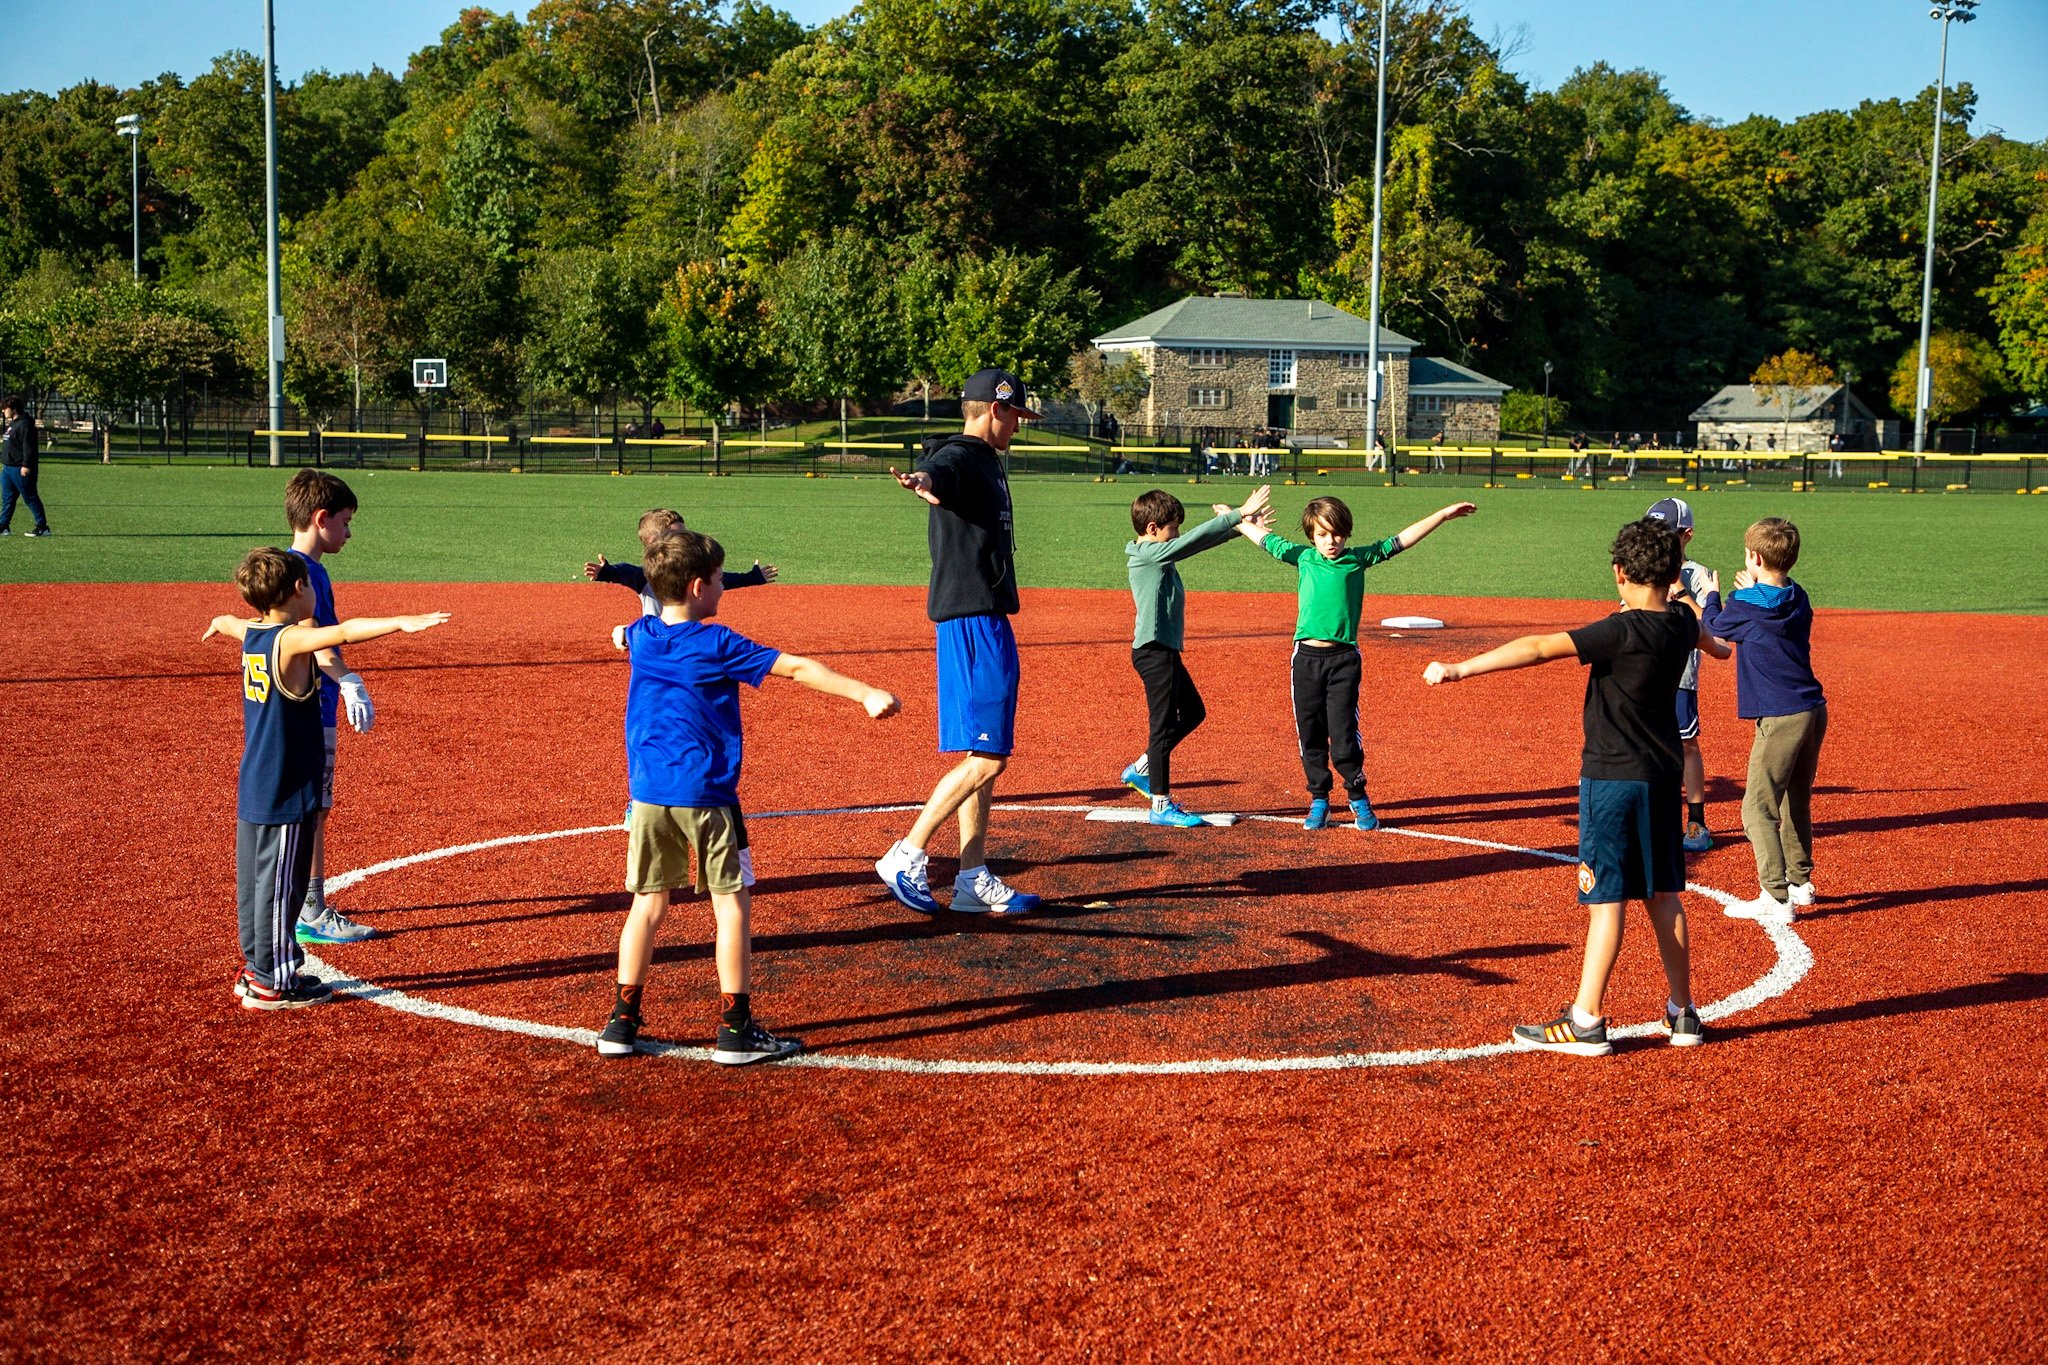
pixel 1170 696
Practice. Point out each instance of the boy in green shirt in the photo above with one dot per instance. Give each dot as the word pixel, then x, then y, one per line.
pixel 1170 696
pixel 1326 665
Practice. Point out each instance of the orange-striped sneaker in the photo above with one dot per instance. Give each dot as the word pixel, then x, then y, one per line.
pixel 1563 1035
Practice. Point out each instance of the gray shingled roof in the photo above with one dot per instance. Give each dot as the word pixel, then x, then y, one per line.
pixel 1302 324
pixel 1433 373
pixel 1739 403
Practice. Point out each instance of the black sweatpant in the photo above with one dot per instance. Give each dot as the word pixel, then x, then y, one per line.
pixel 1326 717
pixel 1175 706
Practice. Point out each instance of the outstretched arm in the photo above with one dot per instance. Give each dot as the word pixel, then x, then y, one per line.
pixel 228 625
pixel 1523 653
pixel 819 678
pixel 918 482
pixel 1409 535
pixel 310 639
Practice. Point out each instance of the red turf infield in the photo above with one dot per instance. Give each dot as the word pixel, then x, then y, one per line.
pixel 1850 1172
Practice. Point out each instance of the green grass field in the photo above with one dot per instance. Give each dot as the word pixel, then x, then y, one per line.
pixel 157 524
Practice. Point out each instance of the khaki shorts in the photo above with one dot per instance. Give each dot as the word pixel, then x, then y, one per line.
pixel 661 839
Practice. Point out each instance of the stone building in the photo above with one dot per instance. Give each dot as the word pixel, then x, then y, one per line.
pixel 1788 418
pixel 1298 365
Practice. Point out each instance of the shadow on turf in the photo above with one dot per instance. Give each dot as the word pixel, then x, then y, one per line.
pixel 2010 988
pixel 1892 900
pixel 1337 960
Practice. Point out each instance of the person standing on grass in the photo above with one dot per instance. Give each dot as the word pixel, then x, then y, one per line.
pixel 1629 779
pixel 21 455
pixel 973 594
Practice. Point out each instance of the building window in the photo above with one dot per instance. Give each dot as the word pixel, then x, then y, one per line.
pixel 1201 396
pixel 1351 360
pixel 1208 358
pixel 1352 400
pixel 1428 404
pixel 1306 403
pixel 1279 369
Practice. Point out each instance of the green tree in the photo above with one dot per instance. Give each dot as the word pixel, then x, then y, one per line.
pixel 1117 384
pixel 717 338
pixel 1521 412
pixel 128 344
pixel 835 324
pixel 1015 312
pixel 490 177
pixel 2019 305
pixel 590 325
pixel 1967 375
pixel 1778 380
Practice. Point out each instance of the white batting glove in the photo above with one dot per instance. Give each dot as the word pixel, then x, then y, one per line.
pixel 355 695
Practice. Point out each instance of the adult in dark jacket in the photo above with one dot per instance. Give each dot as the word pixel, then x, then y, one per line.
pixel 972 597
pixel 18 454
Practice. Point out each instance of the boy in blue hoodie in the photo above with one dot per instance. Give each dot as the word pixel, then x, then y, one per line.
pixel 1770 622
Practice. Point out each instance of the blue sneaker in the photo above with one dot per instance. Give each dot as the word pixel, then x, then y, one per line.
pixel 1137 781
pixel 902 870
pixel 1697 840
pixel 1172 814
pixel 1361 811
pixel 1318 815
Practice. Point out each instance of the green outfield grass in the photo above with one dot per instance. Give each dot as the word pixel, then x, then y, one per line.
pixel 118 523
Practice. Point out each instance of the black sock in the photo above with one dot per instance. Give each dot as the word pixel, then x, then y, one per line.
pixel 734 1011
pixel 625 1001
pixel 1696 811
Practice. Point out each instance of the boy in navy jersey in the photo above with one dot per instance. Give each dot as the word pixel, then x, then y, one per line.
pixel 683 750
pixel 277 808
pixel 1630 792
pixel 321 510
pixel 655 523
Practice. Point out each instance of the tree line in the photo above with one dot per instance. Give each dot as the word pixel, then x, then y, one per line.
pixel 667 200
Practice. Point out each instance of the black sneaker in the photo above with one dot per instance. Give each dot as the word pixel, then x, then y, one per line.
pixel 1562 1035
pixel 1684 1027
pixel 42 531
pixel 620 1034
pixel 739 1047
pixel 303 991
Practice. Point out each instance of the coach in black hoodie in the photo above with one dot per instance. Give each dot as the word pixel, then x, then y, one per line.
pixel 973 595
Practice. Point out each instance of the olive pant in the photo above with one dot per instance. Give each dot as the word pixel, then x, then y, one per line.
pixel 1777 807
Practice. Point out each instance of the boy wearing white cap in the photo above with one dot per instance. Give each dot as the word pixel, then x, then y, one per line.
pixel 1676 513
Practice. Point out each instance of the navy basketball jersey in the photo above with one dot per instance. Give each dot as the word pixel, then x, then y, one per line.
pixel 283 747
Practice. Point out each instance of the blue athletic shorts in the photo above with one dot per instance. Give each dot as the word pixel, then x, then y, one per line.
pixel 977 685
pixel 1688 714
pixel 1631 840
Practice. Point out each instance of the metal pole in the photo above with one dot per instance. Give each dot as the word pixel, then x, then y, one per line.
pixel 1546 405
pixel 1958 11
pixel 135 198
pixel 276 290
pixel 1372 342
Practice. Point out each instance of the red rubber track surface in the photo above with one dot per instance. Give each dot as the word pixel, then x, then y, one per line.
pixel 1852 1171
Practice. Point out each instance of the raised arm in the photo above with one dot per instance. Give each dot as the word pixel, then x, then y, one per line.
pixel 1409 535
pixel 819 678
pixel 354 631
pixel 1526 652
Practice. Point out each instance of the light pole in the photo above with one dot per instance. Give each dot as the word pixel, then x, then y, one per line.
pixel 1546 405
pixel 130 127
pixel 1957 12
pixel 276 290
pixel 1372 342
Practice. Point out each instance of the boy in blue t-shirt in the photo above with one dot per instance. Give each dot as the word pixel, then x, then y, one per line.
pixel 321 509
pixel 683 746
pixel 278 804
pixel 1770 621
pixel 655 523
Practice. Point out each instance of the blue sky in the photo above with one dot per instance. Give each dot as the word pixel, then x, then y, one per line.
pixel 1723 59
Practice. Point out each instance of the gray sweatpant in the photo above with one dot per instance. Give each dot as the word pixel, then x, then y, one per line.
pixel 272 866
pixel 1777 806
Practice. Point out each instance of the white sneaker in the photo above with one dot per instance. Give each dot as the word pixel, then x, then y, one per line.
pixel 1765 909
pixel 902 870
pixel 984 893
pixel 1800 895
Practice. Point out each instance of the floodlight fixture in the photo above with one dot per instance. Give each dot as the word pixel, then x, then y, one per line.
pixel 130 127
pixel 1947 12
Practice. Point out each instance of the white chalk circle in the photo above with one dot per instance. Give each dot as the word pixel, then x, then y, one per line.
pixel 1794 960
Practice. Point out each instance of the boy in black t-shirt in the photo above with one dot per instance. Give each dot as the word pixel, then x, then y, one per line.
pixel 1630 794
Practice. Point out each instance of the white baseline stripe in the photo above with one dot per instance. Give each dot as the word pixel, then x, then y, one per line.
pixel 1794 960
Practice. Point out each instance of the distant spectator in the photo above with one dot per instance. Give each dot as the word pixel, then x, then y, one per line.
pixel 20 452
pixel 657 429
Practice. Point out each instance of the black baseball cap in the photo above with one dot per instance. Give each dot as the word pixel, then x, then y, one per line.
pixel 1672 512
pixel 997 386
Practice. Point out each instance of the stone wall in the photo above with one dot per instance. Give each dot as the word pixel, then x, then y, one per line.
pixel 1766 437
pixel 1470 421
pixel 1317 375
